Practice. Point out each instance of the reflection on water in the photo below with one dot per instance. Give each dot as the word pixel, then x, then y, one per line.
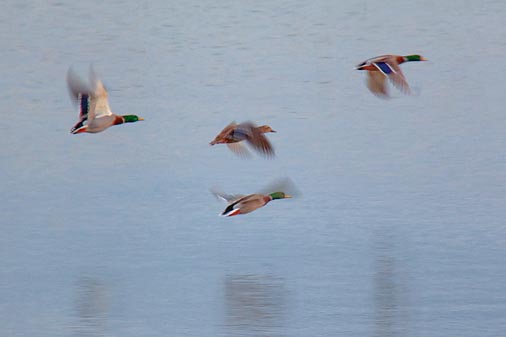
pixel 91 308
pixel 389 291
pixel 254 305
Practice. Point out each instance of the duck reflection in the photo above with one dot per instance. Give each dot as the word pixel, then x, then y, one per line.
pixel 254 305
pixel 390 293
pixel 91 308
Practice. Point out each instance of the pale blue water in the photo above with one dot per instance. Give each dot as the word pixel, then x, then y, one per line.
pixel 400 230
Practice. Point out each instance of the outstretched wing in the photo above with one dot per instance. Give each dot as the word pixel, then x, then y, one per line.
pixel 84 108
pixel 80 94
pixel 225 197
pixel 255 138
pixel 243 131
pixel 283 184
pixel 377 84
pixel 76 86
pixel 224 134
pixel 91 99
pixel 239 149
pixel 99 102
pixel 394 73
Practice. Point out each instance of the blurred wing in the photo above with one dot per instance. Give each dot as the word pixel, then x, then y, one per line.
pixel 243 131
pixel 84 101
pixel 262 144
pixel 377 84
pixel 225 197
pixel 394 73
pixel 84 108
pixel 224 134
pixel 255 138
pixel 398 79
pixel 76 86
pixel 99 102
pixel 283 184
pixel 227 130
pixel 80 94
pixel 239 150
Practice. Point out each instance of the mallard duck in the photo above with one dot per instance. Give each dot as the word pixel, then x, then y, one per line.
pixel 243 204
pixel 94 112
pixel 380 67
pixel 238 204
pixel 233 134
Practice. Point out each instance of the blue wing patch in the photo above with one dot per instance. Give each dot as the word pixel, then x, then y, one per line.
pixel 84 104
pixel 384 67
pixel 84 108
pixel 240 134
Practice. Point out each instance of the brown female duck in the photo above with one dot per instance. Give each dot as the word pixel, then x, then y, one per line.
pixel 233 134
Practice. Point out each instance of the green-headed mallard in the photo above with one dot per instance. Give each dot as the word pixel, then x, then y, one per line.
pixel 387 66
pixel 233 134
pixel 248 203
pixel 243 204
pixel 94 112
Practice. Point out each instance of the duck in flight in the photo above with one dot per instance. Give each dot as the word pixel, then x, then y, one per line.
pixel 380 68
pixel 243 204
pixel 239 204
pixel 95 115
pixel 234 134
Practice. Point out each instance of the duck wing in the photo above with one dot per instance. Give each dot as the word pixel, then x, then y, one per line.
pixel 80 95
pixel 99 100
pixel 225 197
pixel 84 109
pixel 76 86
pixel 239 150
pixel 283 184
pixel 376 82
pixel 392 70
pixel 255 138
pixel 224 134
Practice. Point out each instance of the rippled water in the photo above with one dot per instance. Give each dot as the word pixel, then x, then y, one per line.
pixel 400 227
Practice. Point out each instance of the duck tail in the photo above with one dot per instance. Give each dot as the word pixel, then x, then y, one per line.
pixel 231 212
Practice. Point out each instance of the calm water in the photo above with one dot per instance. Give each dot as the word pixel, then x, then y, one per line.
pixel 400 230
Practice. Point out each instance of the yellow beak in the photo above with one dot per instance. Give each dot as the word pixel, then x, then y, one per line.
pixel 141 119
pixel 287 196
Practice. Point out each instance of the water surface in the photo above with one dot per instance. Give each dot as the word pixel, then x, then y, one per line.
pixel 400 227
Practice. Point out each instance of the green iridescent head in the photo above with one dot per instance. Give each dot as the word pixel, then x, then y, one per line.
pixel 279 195
pixel 414 58
pixel 132 118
